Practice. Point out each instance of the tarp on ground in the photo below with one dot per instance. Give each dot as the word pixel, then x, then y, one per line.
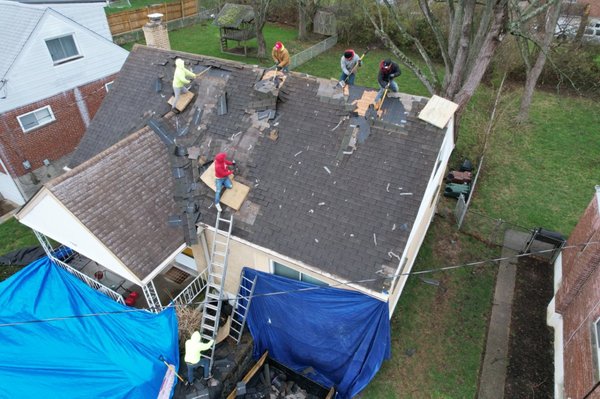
pixel 114 354
pixel 344 336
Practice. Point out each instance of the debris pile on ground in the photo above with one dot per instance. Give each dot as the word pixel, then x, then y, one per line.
pixel 273 383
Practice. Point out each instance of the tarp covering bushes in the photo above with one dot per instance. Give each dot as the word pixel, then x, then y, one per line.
pixel 344 336
pixel 113 355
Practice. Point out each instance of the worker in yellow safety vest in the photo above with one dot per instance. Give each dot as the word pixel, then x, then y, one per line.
pixel 193 348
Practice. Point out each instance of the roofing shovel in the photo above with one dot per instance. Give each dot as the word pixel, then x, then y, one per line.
pixel 342 83
pixel 170 366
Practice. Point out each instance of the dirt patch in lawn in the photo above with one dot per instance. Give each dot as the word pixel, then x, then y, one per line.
pixel 530 372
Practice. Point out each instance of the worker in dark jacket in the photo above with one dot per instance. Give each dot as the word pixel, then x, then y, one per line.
pixel 222 173
pixel 388 70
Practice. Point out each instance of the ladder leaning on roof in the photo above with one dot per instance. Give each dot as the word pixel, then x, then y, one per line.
pixel 217 270
pixel 240 312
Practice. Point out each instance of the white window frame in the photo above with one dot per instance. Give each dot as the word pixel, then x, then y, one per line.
pixel 108 85
pixel 300 274
pixel 64 60
pixel 25 130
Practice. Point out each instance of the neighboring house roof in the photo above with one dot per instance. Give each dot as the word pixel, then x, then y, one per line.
pixel 124 197
pixel 233 15
pixel 342 214
pixel 17 22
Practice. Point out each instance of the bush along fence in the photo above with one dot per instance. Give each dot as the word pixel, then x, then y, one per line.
pixel 126 26
pixel 313 51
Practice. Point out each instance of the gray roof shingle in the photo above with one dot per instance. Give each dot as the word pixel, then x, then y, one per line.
pixel 340 213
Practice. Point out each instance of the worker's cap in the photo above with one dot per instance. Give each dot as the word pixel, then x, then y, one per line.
pixel 386 64
pixel 348 54
pixel 278 45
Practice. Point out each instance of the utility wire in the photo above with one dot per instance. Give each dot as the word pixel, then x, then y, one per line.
pixel 348 283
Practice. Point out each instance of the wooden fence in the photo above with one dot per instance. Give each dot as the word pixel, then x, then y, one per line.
pixel 127 21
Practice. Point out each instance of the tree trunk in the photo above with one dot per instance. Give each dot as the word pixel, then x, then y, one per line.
pixel 262 46
pixel 303 22
pixel 534 73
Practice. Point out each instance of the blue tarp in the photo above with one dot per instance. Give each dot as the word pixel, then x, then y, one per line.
pixel 343 335
pixel 114 355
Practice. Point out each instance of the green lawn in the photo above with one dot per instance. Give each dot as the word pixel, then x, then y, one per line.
pixel 204 39
pixel 538 174
pixel 13 236
pixel 438 333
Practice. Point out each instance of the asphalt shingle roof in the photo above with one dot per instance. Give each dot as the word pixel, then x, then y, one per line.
pixel 342 214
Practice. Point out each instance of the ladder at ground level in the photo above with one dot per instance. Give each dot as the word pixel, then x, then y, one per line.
pixel 240 313
pixel 217 271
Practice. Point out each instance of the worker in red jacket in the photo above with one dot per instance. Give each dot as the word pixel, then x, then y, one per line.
pixel 222 173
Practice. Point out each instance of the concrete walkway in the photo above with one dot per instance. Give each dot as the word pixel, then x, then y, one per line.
pixel 495 362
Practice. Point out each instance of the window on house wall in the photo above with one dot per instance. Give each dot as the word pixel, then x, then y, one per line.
pixel 35 119
pixel 284 271
pixel 63 49
pixel 108 86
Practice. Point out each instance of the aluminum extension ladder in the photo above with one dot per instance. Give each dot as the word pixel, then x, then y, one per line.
pixel 217 271
pixel 240 313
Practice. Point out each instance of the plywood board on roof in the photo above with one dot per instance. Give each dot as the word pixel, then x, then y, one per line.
pixel 183 100
pixel 232 197
pixel 438 111
pixel 362 104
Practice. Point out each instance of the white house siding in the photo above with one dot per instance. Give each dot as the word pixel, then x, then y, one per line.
pixel 90 15
pixel 34 76
pixel 47 216
pixel 424 216
pixel 9 189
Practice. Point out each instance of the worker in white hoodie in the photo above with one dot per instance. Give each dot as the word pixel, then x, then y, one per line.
pixel 180 79
pixel 193 348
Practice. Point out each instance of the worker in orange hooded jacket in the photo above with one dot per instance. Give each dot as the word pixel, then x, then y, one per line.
pixel 281 57
pixel 222 173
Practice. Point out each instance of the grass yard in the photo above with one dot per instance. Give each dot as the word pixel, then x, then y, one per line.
pixel 537 174
pixel 438 333
pixel 204 39
pixel 14 235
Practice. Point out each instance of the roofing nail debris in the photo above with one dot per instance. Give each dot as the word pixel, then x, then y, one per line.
pixel 317 241
pixel 321 203
pixel 327 169
pixel 394 227
pixel 375 239
pixel 311 211
pixel 298 153
pixel 391 254
pixel 406 193
pixel 388 188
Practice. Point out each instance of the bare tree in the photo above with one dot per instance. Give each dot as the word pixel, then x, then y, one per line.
pixel 306 13
pixel 260 18
pixel 541 35
pixel 474 32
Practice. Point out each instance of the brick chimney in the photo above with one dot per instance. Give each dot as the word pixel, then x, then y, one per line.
pixel 156 33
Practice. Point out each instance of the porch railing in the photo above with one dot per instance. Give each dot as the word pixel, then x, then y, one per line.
pixel 90 281
pixel 193 289
pixel 68 254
